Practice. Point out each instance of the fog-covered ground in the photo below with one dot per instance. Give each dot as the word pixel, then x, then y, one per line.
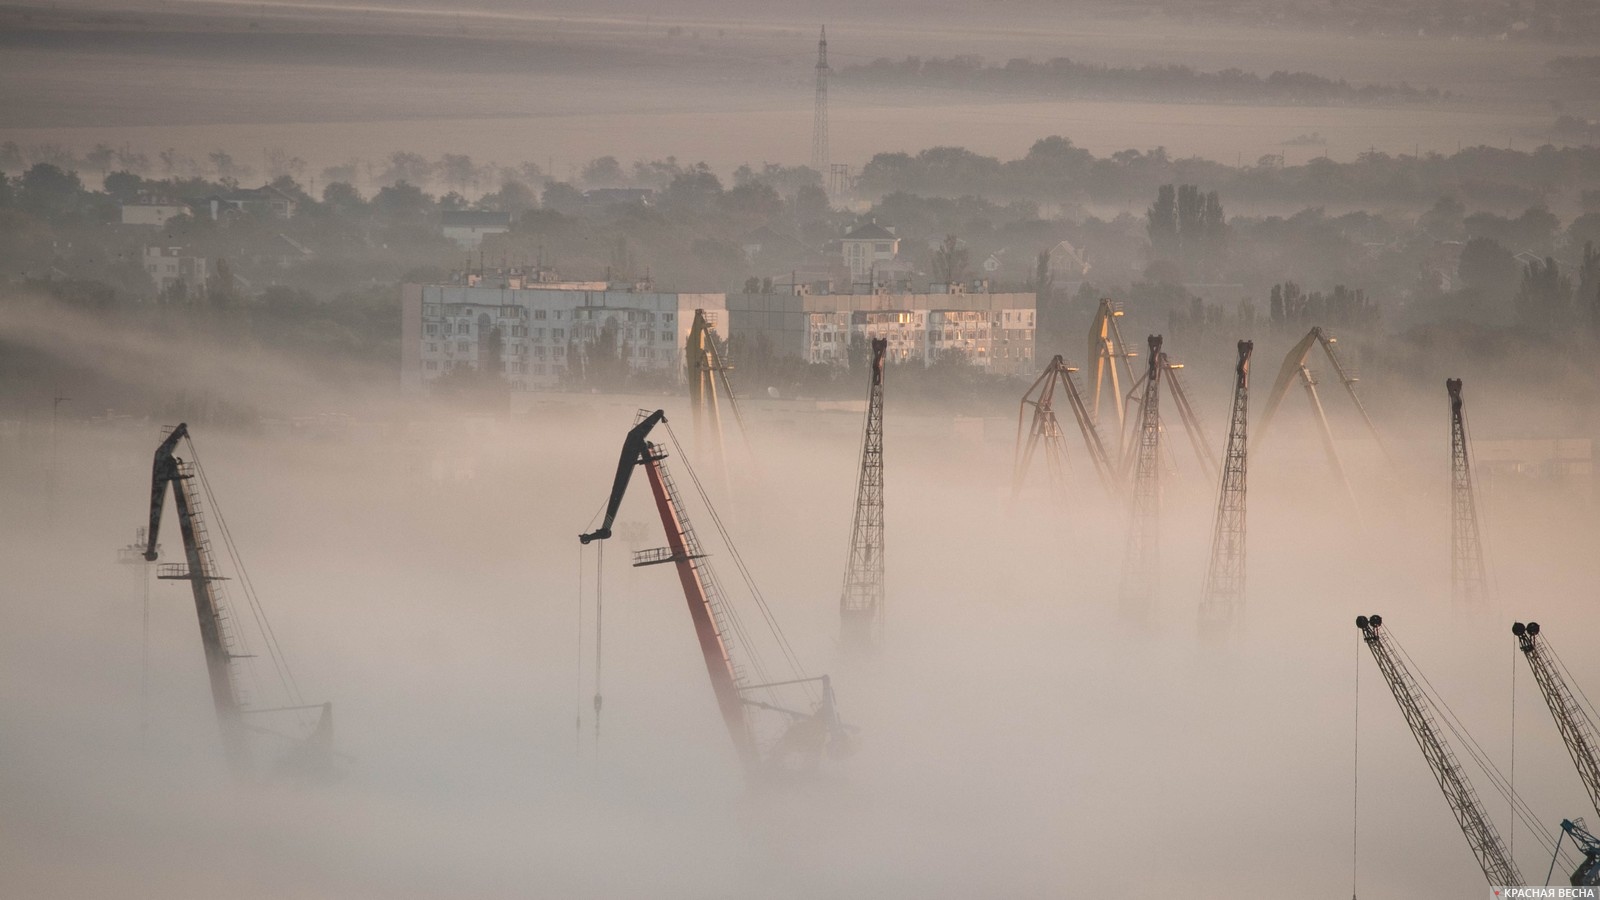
pixel 1018 737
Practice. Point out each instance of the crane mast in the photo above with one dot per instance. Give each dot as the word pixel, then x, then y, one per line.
pixel 1468 582
pixel 1496 862
pixel 1577 729
pixel 861 601
pixel 1223 596
pixel 1141 560
pixel 700 588
pixel 199 569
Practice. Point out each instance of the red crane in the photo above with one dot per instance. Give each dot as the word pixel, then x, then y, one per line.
pixel 808 733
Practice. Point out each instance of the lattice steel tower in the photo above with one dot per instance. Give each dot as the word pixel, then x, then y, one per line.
pixel 819 122
pixel 1223 597
pixel 1141 563
pixel 861 605
pixel 1468 583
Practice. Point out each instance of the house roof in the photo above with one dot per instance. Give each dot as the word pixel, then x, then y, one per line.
pixel 870 231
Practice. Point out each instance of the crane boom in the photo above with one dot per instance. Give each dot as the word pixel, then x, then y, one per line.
pixel 1588 872
pixel 1497 864
pixel 1294 366
pixel 694 574
pixel 1577 729
pixel 1047 427
pixel 201 573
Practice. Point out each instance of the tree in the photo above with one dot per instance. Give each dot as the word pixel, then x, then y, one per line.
pixel 343 198
pixel 1589 286
pixel 221 292
pixel 1162 223
pixel 604 171
pixel 124 186
pixel 810 204
pixel 1544 299
pixel 1043 278
pixel 1488 268
pixel 48 191
pixel 401 200
pixel 950 260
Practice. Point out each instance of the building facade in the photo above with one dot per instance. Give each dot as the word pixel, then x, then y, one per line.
pixel 169 267
pixel 151 211
pixel 547 330
pixel 994 332
pixel 866 247
pixel 468 227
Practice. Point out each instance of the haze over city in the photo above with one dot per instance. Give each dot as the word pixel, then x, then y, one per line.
pixel 1044 391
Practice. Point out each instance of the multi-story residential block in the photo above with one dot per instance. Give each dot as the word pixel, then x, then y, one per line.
pixel 992 331
pixel 547 330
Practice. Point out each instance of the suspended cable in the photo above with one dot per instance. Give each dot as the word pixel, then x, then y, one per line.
pixel 577 692
pixel 274 649
pixel 1519 807
pixel 1511 844
pixel 733 551
pixel 600 557
pixel 1355 801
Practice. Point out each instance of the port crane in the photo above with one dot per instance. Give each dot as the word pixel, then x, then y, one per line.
pixel 804 735
pixel 861 600
pixel 1203 452
pixel 222 643
pixel 1587 874
pixel 1106 349
pixel 1044 428
pixel 1573 720
pixel 1295 367
pixel 1468 581
pixel 1223 595
pixel 1141 561
pixel 1496 862
pixel 707 368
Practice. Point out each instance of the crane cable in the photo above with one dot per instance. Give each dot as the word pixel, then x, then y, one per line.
pixel 738 560
pixel 577 686
pixel 599 560
pixel 1355 802
pixel 1519 807
pixel 275 653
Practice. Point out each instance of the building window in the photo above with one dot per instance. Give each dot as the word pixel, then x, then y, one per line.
pixel 431 329
pixel 432 365
pixel 558 334
pixel 538 314
pixel 433 347
pixel 461 346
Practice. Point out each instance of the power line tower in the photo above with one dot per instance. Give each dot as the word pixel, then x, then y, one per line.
pixel 1142 562
pixel 819 122
pixel 861 605
pixel 1467 580
pixel 1224 590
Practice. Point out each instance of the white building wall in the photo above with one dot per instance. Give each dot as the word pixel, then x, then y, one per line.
pixel 546 332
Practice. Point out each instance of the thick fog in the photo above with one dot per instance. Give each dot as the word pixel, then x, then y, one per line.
pixel 1019 734
pixel 1017 737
